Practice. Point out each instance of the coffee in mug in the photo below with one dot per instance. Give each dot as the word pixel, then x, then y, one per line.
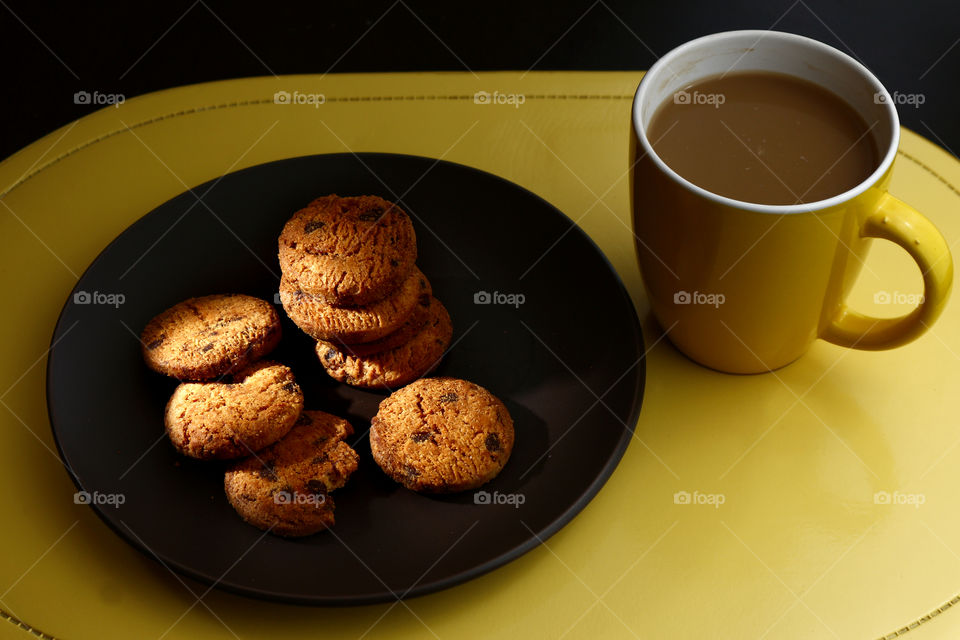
pixel 764 137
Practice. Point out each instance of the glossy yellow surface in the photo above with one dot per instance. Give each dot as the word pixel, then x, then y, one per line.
pixel 799 548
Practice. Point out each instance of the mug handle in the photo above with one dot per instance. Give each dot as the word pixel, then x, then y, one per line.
pixel 898 222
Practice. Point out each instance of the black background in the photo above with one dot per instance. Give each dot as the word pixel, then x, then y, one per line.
pixel 53 50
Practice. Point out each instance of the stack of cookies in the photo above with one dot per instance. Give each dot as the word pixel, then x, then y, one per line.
pixel 350 282
pixel 231 405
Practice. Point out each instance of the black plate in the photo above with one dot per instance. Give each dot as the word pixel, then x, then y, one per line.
pixel 575 338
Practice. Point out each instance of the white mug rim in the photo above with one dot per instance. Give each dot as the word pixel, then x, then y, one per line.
pixel 886 102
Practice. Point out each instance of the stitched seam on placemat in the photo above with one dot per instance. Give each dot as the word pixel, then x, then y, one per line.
pixel 247 103
pixel 930 171
pixel 244 103
pixel 23 625
pixel 922 620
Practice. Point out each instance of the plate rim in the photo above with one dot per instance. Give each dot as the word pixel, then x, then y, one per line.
pixel 536 539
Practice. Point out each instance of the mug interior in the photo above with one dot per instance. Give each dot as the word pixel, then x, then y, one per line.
pixel 738 51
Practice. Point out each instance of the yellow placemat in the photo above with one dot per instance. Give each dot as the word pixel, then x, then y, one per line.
pixel 828 489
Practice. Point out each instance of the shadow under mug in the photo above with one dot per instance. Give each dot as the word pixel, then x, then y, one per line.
pixel 746 288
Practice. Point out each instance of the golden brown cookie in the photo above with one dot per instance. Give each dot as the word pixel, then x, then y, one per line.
pixel 204 338
pixel 440 435
pixel 285 487
pixel 254 408
pixel 402 335
pixel 397 366
pixel 350 251
pixel 321 321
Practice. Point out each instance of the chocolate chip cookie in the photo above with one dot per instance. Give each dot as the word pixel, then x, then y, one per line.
pixel 394 367
pixel 285 488
pixel 440 435
pixel 204 338
pixel 399 336
pixel 350 251
pixel 253 408
pixel 321 321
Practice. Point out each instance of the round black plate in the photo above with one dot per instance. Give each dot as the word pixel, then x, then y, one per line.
pixel 566 358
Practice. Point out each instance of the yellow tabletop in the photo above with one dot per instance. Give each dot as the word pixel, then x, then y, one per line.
pixel 828 489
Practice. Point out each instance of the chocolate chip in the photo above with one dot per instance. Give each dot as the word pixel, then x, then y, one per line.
pixel 156 343
pixel 394 263
pixel 269 470
pixel 330 354
pixel 410 471
pixel 317 487
pixel 449 397
pixel 290 387
pixel 207 347
pixel 420 436
pixel 312 226
pixel 304 419
pixel 320 459
pixel 492 443
pixel 369 216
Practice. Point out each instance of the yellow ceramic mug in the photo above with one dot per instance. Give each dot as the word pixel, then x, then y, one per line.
pixel 746 288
